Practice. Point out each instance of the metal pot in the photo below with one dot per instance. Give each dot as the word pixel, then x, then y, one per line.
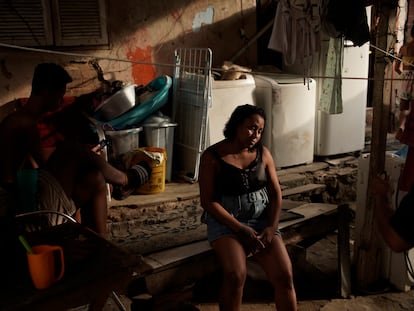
pixel 122 141
pixel 118 103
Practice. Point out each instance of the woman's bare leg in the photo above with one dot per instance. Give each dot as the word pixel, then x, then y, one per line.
pixel 276 263
pixel 232 259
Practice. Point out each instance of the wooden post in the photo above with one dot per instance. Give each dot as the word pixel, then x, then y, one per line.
pixel 368 260
pixel 344 252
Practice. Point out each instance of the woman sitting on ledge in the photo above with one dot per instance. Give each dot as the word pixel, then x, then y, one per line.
pixel 242 201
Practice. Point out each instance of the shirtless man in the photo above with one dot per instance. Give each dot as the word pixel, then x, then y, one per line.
pixel 394 224
pixel 405 133
pixel 73 177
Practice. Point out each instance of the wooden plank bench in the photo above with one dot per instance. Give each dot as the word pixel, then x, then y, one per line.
pixel 187 263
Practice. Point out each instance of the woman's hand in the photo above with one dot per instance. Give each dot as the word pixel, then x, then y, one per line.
pixel 267 235
pixel 249 238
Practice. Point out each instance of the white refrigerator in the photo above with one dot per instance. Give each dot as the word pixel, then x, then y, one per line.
pixel 345 132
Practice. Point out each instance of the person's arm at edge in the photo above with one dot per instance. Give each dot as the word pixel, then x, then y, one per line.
pixel 383 215
pixel 397 63
pixel 28 126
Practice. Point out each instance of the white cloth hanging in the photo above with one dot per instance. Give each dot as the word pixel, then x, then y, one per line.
pixel 296 31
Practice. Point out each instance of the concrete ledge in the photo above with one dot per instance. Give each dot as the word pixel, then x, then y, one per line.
pixel 174 192
pixel 292 180
pixel 145 224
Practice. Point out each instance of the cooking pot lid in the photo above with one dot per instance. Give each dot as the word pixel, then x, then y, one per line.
pixel 124 132
pixel 161 124
pixel 157 119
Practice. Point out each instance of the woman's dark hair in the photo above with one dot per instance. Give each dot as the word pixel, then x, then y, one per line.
pixel 49 76
pixel 238 116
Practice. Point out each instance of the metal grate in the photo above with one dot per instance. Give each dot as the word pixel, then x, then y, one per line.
pixel 191 100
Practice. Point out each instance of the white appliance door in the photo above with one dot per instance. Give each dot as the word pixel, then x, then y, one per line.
pixel 226 95
pixel 345 132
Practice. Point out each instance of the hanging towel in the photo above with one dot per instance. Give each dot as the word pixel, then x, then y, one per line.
pixel 331 97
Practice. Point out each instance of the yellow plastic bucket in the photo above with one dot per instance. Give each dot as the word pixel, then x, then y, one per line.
pixel 156 159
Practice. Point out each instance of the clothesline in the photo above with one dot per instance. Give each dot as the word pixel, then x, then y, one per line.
pixel 82 55
pixel 391 55
pixel 37 50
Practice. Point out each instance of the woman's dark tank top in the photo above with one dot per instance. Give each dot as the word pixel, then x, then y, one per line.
pixel 232 180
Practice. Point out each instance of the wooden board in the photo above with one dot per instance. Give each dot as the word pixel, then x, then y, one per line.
pixel 177 254
pixel 308 188
pixel 308 210
pixel 168 258
pixel 174 191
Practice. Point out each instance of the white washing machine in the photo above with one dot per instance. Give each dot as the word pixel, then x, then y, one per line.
pixel 290 105
pixel 226 95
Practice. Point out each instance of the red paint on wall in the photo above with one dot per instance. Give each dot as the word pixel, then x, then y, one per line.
pixel 142 73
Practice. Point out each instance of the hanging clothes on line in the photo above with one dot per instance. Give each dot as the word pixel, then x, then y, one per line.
pixel 331 97
pixel 348 19
pixel 296 31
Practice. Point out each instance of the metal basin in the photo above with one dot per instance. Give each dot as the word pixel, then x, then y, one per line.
pixel 117 104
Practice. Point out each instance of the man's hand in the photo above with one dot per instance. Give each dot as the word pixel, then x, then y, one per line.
pixel 381 186
pixel 96 149
pixel 398 134
pixel 99 147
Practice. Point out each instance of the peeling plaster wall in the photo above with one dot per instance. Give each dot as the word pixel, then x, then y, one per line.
pixel 146 32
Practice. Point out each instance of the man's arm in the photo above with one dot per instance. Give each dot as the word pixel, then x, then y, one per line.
pixel 397 63
pixel 384 214
pixel 397 66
